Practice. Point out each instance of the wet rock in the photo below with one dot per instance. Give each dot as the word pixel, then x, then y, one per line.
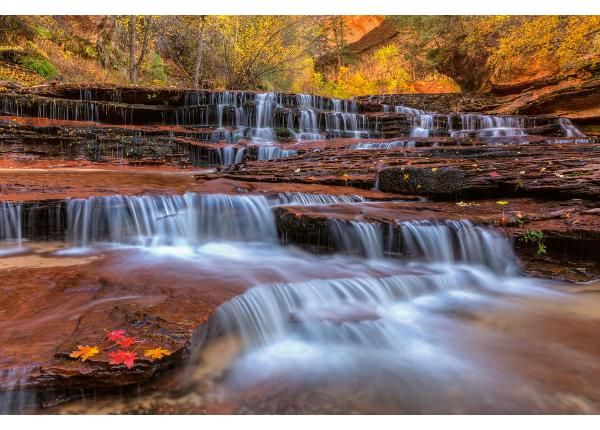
pixel 411 180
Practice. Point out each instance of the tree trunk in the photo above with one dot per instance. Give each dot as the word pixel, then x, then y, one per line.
pixel 132 38
pixel 199 54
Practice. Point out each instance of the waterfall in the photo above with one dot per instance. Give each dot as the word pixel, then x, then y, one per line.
pixel 11 223
pixel 274 153
pixel 263 126
pixel 365 311
pixel 239 155
pixel 14 398
pixel 354 236
pixel 454 242
pixel 227 154
pixel 187 219
pixel 490 126
pixel 289 198
pixel 383 145
pixel 569 129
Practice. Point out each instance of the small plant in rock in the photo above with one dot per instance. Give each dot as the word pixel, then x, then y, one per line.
pixel 536 238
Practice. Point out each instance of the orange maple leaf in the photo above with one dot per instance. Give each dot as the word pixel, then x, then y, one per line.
pixel 84 352
pixel 157 353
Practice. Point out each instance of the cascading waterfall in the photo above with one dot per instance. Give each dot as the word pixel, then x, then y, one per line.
pixel 355 236
pixel 358 312
pixel 423 124
pixel 185 220
pixel 336 324
pixel 454 242
pixel 228 155
pixel 263 130
pixel 490 126
pixel 290 198
pixel 383 145
pixel 11 223
pixel 14 399
pixel 309 119
pixel 271 152
pixel 569 129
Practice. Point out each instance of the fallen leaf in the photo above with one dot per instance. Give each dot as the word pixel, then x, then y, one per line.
pixel 502 202
pixel 122 357
pixel 297 170
pixel 126 342
pixel 84 352
pixel 156 354
pixel 494 174
pixel 406 176
pixel 433 169
pixel 129 358
pixel 116 357
pixel 115 335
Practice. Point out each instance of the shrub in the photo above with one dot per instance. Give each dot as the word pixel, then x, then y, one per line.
pixel 41 66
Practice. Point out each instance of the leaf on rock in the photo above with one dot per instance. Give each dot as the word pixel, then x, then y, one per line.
pixel 116 357
pixel 122 357
pixel 126 342
pixel 116 335
pixel 502 202
pixel 156 354
pixel 494 174
pixel 129 358
pixel 84 352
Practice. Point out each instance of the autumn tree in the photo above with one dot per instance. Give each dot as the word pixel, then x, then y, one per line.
pixel 337 29
pixel 139 32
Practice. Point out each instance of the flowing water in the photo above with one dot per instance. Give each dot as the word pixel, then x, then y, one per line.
pixel 409 318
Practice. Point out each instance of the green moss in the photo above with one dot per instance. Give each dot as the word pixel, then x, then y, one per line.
pixel 41 66
pixel 157 70
pixel 42 32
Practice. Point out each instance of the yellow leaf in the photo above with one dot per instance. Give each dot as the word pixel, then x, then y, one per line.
pixel 156 354
pixel 433 169
pixel 297 170
pixel 84 352
pixel 502 202
pixel 406 176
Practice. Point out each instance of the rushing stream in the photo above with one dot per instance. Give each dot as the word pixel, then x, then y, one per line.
pixel 426 317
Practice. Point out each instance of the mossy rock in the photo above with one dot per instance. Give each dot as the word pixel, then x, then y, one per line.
pixel 414 180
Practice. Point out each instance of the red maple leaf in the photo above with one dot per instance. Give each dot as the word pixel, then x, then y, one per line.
pixel 115 334
pixel 122 357
pixel 116 357
pixel 126 342
pixel 128 358
pixel 494 174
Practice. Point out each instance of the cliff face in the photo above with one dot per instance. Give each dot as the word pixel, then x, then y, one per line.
pixel 533 87
pixel 359 25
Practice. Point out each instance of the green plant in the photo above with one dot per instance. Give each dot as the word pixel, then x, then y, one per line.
pixel 535 237
pixel 39 65
pixel 157 68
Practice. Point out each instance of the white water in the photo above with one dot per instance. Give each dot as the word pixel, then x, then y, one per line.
pixel 383 145
pixel 15 398
pixel 353 236
pixel 274 153
pixel 569 129
pixel 263 132
pixel 306 318
pixel 11 232
pixel 189 219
